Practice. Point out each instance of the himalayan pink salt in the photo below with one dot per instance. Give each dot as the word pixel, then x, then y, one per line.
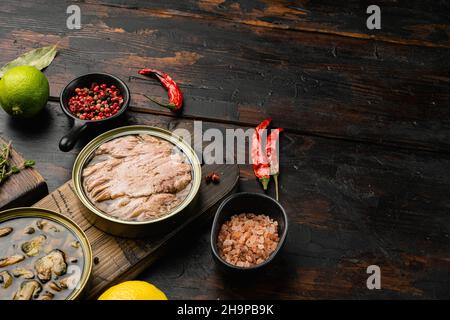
pixel 248 239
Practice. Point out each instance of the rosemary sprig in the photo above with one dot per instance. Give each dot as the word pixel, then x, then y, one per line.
pixel 6 168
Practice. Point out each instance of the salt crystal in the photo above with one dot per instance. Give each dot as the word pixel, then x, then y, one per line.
pixel 247 239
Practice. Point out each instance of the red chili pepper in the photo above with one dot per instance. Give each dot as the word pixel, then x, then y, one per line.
pixel 174 92
pixel 272 155
pixel 260 163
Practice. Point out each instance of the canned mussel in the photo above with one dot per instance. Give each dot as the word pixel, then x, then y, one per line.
pixel 43 256
pixel 137 181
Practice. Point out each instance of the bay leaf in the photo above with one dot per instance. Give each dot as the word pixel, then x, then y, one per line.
pixel 38 58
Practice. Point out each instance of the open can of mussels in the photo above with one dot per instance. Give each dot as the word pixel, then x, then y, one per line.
pixel 45 256
pixel 101 181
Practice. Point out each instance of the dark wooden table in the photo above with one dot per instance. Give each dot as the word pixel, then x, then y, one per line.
pixel 365 168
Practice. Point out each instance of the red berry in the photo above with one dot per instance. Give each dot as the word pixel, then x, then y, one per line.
pixel 96 102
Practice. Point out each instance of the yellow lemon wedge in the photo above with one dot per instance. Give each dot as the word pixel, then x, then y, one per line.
pixel 133 290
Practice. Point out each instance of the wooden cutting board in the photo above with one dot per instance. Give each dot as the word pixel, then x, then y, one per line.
pixel 22 189
pixel 121 259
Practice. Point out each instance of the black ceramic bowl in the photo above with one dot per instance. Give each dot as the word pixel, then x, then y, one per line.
pixel 68 141
pixel 246 202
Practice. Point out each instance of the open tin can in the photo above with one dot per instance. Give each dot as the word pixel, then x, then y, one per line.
pixel 9 216
pixel 134 229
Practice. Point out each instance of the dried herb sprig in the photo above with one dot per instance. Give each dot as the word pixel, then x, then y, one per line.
pixel 6 168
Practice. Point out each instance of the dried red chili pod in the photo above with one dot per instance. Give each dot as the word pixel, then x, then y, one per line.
pixel 261 165
pixel 174 92
pixel 272 155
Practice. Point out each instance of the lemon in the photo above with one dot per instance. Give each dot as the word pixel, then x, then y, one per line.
pixel 24 91
pixel 133 290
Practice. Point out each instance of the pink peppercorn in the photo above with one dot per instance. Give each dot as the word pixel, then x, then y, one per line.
pixel 97 102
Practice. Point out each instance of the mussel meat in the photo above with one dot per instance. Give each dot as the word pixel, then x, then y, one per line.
pixel 24 273
pixel 52 263
pixel 4 262
pixel 5 231
pixel 31 248
pixel 5 279
pixel 28 289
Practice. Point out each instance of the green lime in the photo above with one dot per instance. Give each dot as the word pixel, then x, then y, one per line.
pixel 24 91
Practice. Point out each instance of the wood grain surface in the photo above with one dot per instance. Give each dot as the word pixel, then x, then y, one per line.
pixel 404 22
pixel 22 189
pixel 350 205
pixel 365 158
pixel 120 259
pixel 333 86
